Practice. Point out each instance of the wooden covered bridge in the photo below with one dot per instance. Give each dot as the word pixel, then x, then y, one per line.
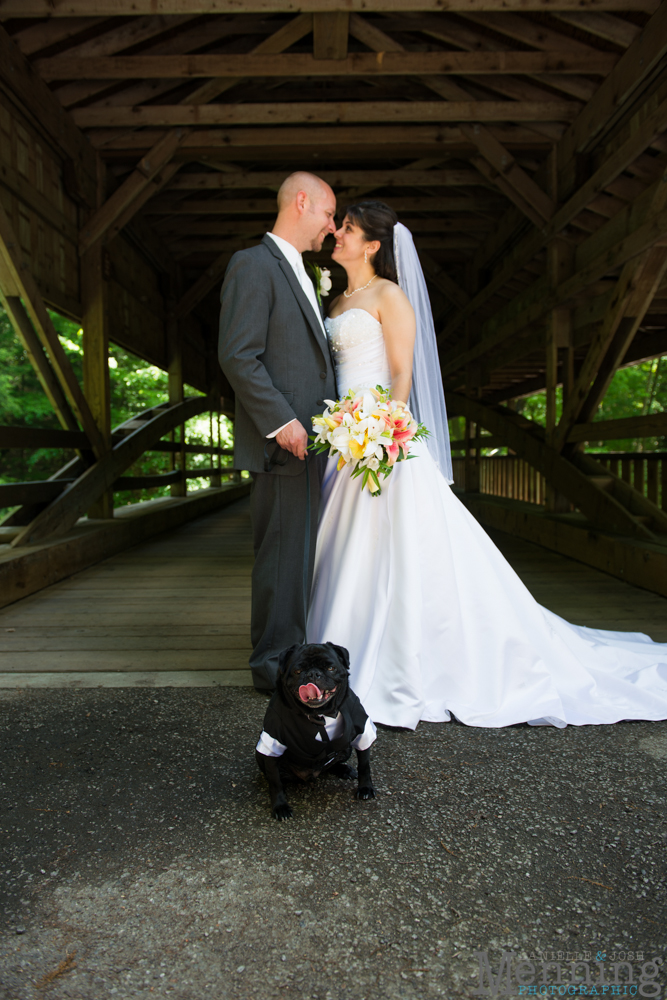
pixel 524 142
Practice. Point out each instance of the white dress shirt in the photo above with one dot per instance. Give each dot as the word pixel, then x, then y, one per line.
pixel 295 261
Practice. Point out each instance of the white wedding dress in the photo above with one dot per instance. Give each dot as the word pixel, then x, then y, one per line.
pixel 435 619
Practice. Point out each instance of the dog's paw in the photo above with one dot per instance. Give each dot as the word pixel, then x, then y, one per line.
pixel 282 812
pixel 344 771
pixel 366 792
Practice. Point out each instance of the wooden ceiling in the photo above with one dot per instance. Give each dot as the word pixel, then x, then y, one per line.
pixel 469 121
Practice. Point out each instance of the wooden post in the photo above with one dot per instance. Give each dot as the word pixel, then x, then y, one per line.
pixel 330 34
pixel 558 339
pixel 473 383
pixel 215 460
pixel 96 388
pixel 175 371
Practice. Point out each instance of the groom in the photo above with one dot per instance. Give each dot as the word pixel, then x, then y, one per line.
pixel 274 351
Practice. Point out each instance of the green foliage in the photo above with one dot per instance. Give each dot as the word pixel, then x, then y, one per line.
pixel 633 392
pixel 135 386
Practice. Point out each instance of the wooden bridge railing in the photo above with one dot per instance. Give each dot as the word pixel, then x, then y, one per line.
pixel 512 477
pixel 646 471
pixel 52 506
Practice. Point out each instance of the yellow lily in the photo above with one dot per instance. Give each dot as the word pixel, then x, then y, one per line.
pixel 356 449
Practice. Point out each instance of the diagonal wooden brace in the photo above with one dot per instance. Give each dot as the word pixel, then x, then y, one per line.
pixel 16 271
pixel 142 183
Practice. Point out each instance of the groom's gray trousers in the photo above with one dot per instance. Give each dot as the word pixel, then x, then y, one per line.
pixel 275 354
pixel 278 507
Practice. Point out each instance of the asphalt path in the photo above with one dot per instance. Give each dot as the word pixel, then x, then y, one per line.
pixel 139 857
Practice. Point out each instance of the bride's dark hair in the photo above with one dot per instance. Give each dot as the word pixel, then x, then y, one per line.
pixel 376 221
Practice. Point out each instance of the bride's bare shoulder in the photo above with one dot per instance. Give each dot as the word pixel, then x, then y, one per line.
pixel 390 296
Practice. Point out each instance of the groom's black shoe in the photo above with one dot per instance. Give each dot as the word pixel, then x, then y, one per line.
pixel 312 722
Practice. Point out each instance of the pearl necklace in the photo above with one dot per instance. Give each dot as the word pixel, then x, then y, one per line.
pixel 354 292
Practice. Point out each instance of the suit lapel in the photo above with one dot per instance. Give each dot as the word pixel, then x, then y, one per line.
pixel 299 293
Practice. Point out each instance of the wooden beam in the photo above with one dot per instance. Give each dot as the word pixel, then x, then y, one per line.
pixel 204 142
pixel 612 29
pixel 211 276
pixel 330 34
pixel 637 285
pixel 650 425
pixel 179 227
pixel 497 163
pixel 454 204
pixel 96 386
pixel 24 284
pixel 526 438
pixel 41 437
pixel 324 111
pixel 533 304
pixel 126 8
pixel 184 247
pixel 133 192
pixel 63 512
pixel 403 63
pixel 280 40
pixel 438 275
pixel 43 34
pixel 41 105
pixel 646 124
pixel 641 135
pixel 24 330
pixel 514 194
pixel 336 178
pixel 632 69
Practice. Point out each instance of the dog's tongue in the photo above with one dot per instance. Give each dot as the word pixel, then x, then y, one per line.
pixel 310 692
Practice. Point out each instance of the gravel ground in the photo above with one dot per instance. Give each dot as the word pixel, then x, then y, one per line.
pixel 139 856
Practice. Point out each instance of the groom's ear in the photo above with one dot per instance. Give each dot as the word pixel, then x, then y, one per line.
pixel 284 658
pixel 343 655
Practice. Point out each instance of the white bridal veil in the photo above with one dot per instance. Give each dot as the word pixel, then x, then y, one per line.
pixel 427 399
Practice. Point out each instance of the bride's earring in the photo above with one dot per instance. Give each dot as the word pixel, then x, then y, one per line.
pixel 365 256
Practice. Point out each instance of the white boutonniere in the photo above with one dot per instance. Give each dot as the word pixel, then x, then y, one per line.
pixel 322 280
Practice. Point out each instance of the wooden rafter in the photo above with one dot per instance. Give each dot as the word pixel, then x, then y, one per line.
pixel 325 111
pixel 151 173
pixel 200 289
pixel 497 164
pixel 336 178
pixel 117 8
pixel 206 141
pixel 652 126
pixel 397 63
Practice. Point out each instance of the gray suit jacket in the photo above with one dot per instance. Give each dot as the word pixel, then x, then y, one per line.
pixel 274 353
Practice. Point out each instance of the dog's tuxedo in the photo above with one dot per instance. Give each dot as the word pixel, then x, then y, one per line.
pixel 312 742
pixel 313 722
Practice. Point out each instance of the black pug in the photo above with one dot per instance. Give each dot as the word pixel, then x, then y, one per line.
pixel 313 721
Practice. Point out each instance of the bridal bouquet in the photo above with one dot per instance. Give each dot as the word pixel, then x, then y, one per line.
pixel 369 431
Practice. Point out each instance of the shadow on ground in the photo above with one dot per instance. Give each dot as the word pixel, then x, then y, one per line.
pixel 139 857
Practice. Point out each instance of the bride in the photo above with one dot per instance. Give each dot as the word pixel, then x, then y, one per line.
pixel 436 621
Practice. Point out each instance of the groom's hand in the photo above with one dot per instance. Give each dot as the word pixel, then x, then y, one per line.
pixel 294 438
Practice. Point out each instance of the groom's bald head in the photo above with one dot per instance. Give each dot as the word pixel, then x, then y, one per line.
pixel 306 210
pixel 302 181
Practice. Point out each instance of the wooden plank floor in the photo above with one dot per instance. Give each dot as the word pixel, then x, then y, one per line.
pixel 176 610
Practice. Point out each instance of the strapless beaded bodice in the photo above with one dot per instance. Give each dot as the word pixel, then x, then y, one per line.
pixel 357 344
